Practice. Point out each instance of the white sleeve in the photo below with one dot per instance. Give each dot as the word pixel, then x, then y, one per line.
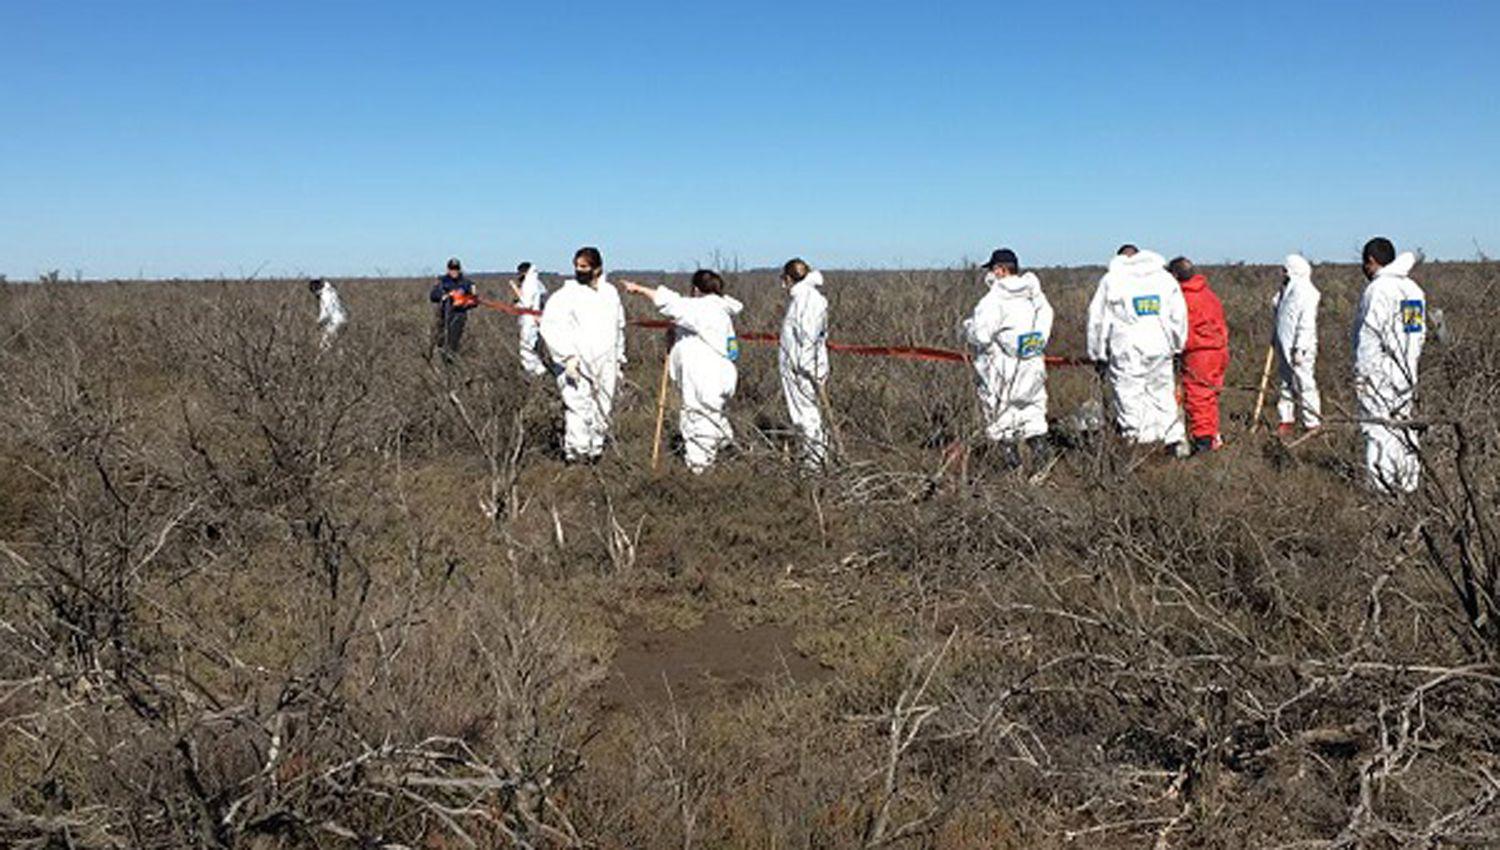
pixel 531 293
pixel 619 331
pixel 1174 313
pixel 677 308
pixel 557 326
pixel 1361 331
pixel 982 326
pixel 817 330
pixel 1307 323
pixel 1098 332
pixel 1044 317
pixel 1284 318
pixel 808 326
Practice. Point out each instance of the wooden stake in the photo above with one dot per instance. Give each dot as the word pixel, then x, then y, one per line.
pixel 1265 381
pixel 661 409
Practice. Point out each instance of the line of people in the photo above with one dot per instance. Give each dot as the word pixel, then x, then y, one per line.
pixel 583 328
pixel 1152 321
pixel 1155 330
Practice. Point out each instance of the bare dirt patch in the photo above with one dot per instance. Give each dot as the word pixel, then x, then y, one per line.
pixel 715 659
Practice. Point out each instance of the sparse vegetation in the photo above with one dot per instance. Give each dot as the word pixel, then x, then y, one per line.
pixel 255 595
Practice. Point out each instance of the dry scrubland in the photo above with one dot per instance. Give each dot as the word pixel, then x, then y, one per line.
pixel 255 596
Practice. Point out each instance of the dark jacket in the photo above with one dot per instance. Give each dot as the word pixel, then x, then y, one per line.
pixel 461 287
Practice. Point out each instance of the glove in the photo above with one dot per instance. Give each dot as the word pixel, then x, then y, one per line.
pixel 570 369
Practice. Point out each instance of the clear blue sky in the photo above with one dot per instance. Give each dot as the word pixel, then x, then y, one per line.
pixel 208 138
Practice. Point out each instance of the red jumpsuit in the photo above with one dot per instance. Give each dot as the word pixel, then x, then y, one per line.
pixel 1205 358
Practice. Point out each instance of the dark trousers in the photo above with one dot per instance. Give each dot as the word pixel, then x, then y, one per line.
pixel 448 329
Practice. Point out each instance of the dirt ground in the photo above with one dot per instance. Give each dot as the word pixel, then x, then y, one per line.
pixel 713 660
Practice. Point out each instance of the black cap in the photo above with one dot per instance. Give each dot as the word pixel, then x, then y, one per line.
pixel 453 263
pixel 1002 255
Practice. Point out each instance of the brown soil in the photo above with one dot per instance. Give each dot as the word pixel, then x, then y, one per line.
pixel 712 660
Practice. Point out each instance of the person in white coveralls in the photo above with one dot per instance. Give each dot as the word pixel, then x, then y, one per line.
pixel 803 358
pixel 1137 326
pixel 1296 344
pixel 702 363
pixel 1390 328
pixel 583 325
pixel 530 293
pixel 331 313
pixel 1008 333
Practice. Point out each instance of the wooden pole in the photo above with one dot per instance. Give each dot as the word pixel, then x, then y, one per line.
pixel 661 409
pixel 1265 381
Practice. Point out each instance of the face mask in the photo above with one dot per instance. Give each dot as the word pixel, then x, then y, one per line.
pixel 582 276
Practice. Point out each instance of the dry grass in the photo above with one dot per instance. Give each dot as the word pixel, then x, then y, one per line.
pixel 255 595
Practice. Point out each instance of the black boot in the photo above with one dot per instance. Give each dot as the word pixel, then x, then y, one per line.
pixel 1041 452
pixel 1010 454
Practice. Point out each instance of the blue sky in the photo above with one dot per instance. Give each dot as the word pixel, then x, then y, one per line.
pixel 209 138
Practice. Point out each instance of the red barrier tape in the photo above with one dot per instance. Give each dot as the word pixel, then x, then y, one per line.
pixel 900 352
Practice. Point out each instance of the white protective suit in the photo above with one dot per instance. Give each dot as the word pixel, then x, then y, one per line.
pixel 1296 344
pixel 533 293
pixel 803 358
pixel 1389 330
pixel 584 328
pixel 331 314
pixel 1137 324
pixel 1009 332
pixel 704 352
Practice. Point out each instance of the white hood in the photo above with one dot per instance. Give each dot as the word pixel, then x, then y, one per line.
pixel 1138 313
pixel 1401 266
pixel 814 278
pixel 1025 285
pixel 1297 267
pixel 1139 264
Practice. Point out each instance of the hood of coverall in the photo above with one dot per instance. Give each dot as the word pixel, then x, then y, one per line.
pixel 1297 267
pixel 1140 264
pixel 1025 285
pixel 1399 267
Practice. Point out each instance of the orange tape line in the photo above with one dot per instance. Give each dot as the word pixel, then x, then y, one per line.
pixel 900 352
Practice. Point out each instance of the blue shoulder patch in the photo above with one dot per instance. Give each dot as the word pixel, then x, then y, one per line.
pixel 1147 305
pixel 1413 315
pixel 732 349
pixel 1030 345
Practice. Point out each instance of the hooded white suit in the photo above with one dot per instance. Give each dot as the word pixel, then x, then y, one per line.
pixel 803 360
pixel 1296 344
pixel 1389 330
pixel 704 352
pixel 585 325
pixel 533 293
pixel 1137 323
pixel 331 314
pixel 1009 332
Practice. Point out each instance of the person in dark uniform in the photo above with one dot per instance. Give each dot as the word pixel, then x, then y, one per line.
pixel 454 296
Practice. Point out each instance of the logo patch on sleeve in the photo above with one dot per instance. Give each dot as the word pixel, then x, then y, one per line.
pixel 1147 305
pixel 1030 345
pixel 1413 316
pixel 732 349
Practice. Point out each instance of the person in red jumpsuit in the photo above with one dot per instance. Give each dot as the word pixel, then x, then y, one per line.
pixel 1205 357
